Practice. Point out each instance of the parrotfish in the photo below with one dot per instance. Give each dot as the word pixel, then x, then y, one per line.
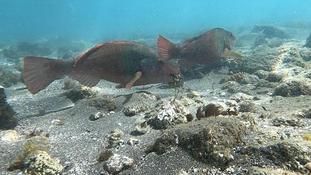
pixel 124 62
pixel 203 49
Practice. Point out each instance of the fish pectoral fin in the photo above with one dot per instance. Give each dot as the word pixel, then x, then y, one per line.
pixel 232 54
pixel 133 80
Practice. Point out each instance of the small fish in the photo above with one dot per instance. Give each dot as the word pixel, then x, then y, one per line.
pixel 124 62
pixel 204 49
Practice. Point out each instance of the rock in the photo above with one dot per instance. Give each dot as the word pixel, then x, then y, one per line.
pixel 182 172
pixel 242 78
pixel 115 138
pixel 287 122
pixel 117 163
pixel 79 93
pixel 270 32
pixel 215 109
pixel 260 58
pixel 285 154
pixel 238 97
pixel 270 42
pixel 10 136
pixel 308 166
pixel 260 40
pixel 308 75
pixel 103 103
pixel 7 119
pixel 247 106
pixel 141 127
pixel 139 102
pixel 105 155
pixel 168 113
pixel 132 141
pixel 307 137
pixel 306 54
pixel 274 77
pixel 193 94
pixel 306 113
pixel 209 110
pixel 308 42
pixel 58 122
pixel 37 132
pixel 231 87
pixel 293 88
pixel 96 116
pixel 42 163
pixel 209 140
pixel 34 158
pixel 262 74
pixel 269 171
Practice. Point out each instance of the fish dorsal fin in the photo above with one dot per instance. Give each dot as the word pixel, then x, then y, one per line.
pixel 164 47
pixel 86 54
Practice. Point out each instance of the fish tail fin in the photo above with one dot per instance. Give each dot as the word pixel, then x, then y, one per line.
pixel 165 48
pixel 39 72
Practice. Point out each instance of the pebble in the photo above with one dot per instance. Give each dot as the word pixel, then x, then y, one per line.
pixel 241 97
pixel 118 163
pixel 115 138
pixel 96 116
pixel 10 136
pixel 132 141
pixel 141 128
pixel 58 122
pixel 308 166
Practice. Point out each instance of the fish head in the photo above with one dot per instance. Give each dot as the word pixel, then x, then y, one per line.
pixel 229 40
pixel 169 68
pixel 163 70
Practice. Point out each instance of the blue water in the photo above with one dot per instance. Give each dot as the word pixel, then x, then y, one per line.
pixel 133 19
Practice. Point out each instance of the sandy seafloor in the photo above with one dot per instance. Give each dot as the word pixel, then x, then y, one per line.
pixel 268 130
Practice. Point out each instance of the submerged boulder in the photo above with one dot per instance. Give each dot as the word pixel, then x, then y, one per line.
pixel 171 112
pixel 261 58
pixel 209 140
pixel 270 32
pixel 287 155
pixel 308 42
pixel 293 88
pixel 7 119
pixel 139 102
pixel 35 159
pixel 117 163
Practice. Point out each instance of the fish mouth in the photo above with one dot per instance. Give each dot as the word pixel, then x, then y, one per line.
pixel 176 80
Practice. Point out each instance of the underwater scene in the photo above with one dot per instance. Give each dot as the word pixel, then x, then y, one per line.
pixel 155 87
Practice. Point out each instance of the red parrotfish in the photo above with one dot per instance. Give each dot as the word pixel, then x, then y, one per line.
pixel 203 49
pixel 124 62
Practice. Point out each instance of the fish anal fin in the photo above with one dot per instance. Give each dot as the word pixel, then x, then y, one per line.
pixel 85 78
